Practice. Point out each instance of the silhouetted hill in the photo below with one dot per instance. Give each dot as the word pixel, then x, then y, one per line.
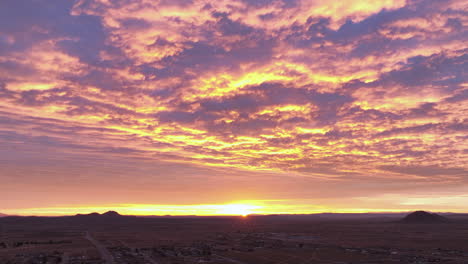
pixel 111 214
pixel 423 217
pixel 3 215
pixel 88 215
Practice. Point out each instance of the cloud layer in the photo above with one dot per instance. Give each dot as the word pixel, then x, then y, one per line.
pixel 369 92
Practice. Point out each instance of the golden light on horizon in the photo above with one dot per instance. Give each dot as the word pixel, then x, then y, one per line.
pixel 238 209
pixel 455 203
pixel 229 209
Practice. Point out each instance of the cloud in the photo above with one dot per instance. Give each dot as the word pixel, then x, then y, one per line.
pixel 427 170
pixel 370 91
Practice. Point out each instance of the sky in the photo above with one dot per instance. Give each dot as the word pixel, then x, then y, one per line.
pixel 233 106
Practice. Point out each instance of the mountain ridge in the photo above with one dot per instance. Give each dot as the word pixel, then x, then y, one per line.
pixel 423 217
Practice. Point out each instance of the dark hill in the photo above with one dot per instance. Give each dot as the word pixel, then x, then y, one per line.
pixel 111 214
pixel 423 217
pixel 106 215
pixel 88 215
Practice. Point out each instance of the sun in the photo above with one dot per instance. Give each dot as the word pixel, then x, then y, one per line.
pixel 237 209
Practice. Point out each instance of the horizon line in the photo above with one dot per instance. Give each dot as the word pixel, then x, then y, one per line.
pixel 229 215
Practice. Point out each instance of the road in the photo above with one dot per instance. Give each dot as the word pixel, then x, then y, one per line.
pixel 105 254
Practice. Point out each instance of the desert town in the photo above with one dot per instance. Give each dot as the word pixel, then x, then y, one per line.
pixel 236 240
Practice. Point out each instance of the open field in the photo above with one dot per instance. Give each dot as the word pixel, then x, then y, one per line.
pixel 224 240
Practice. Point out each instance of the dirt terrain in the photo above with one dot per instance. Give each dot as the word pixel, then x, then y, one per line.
pixel 221 240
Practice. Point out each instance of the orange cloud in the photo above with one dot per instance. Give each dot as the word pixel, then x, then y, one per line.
pixel 368 91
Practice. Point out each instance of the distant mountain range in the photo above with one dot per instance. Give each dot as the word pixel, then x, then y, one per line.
pixel 414 217
pixel 106 214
